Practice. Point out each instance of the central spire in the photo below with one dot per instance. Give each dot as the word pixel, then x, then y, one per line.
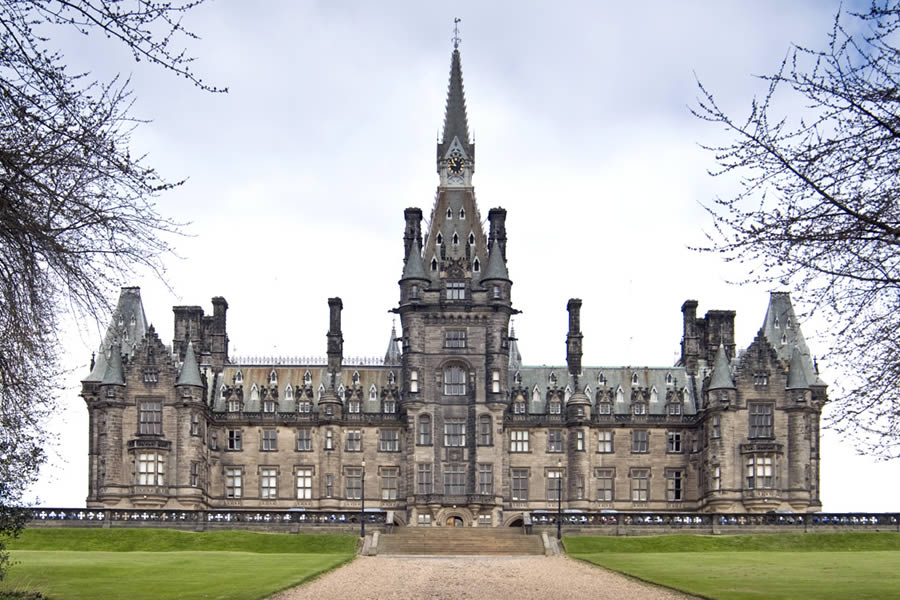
pixel 456 124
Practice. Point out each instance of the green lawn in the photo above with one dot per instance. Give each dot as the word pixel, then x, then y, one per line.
pixel 821 566
pixel 94 564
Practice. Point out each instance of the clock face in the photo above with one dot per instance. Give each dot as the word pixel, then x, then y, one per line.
pixel 455 165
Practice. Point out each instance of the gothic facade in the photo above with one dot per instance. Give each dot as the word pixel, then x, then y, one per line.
pixel 451 426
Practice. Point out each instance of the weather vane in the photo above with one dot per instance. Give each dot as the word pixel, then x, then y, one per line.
pixel 456 39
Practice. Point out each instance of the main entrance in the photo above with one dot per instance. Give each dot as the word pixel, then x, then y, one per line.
pixel 454 522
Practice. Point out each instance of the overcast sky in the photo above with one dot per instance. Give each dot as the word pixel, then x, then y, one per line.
pixel 298 177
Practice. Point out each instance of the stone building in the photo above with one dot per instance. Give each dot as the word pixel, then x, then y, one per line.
pixel 451 427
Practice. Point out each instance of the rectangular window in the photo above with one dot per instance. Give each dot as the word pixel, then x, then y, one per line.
pixel 761 379
pixel 195 474
pixel 760 472
pixel 151 469
pixel 268 406
pixel 674 485
pixel 234 439
pixel 454 381
pixel 604 408
pixel 518 440
pixel 640 442
pixel 761 421
pixel 455 480
pixel 555 408
pixel 413 381
pixel 456 290
pixel 673 442
pixel 354 440
pixel 304 483
pixel 518 408
pixel 268 483
pixel 390 406
pixel 639 408
pixel 520 484
pixel 329 485
pixel 424 519
pixel 423 478
pixel 195 424
pixel 353 406
pixel 454 433
pixel 579 440
pixel 554 440
pixel 554 484
pixel 329 439
pixel 715 431
pixel 579 487
pixel 455 338
pixel 390 440
pixel 233 482
pixel 717 478
pixel 304 407
pixel 390 481
pixel 269 440
pixel 605 442
pixel 150 418
pixel 495 382
pixel 213 440
pixel 304 440
pixel 486 479
pixel 353 478
pixel 605 484
pixel 425 430
pixel 675 409
pixel 640 485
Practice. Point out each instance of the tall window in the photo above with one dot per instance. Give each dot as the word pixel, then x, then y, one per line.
pixel 195 424
pixel 518 407
pixel 413 381
pixel 485 431
pixel 269 440
pixel 329 440
pixel 673 442
pixel 761 421
pixel 304 483
pixel 390 440
pixel 715 431
pixel 454 381
pixel 455 338
pixel 520 484
pixel 233 482
pixel 150 418
pixel 605 484
pixel 579 440
pixel 674 485
pixel 389 483
pixel 424 430
pixel 454 433
pixel 518 440
pixel 304 440
pixel 456 290
pixel 760 471
pixel 455 480
pixel 195 474
pixel 554 440
pixel 717 478
pixel 485 479
pixel 234 439
pixel 495 381
pixel 389 406
pixel 640 485
pixel 353 477
pixel 423 478
pixel 329 485
pixel 268 483
pixel 234 404
pixel 554 484
pixel 605 441
pixel 354 440
pixel 151 469
pixel 640 442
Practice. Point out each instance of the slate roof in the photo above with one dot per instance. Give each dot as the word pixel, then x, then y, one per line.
pixel 127 328
pixel 190 371
pixel 721 378
pixel 782 330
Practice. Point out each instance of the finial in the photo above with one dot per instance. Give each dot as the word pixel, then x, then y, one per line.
pixel 456 39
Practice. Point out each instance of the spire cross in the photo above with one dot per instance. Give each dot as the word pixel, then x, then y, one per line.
pixel 456 38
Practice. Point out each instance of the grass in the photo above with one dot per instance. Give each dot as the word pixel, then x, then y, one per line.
pixel 752 567
pixel 94 564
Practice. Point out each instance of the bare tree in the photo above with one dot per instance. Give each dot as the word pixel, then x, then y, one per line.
pixel 76 208
pixel 819 209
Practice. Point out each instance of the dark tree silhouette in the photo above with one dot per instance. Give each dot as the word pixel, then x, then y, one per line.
pixel 76 208
pixel 819 209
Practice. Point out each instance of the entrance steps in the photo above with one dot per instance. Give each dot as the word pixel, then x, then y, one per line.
pixel 459 541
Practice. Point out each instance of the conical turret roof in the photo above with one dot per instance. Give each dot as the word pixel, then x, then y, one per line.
pixel 797 373
pixel 115 374
pixel 392 356
pixel 496 266
pixel 190 371
pixel 415 266
pixel 721 375
pixel 515 357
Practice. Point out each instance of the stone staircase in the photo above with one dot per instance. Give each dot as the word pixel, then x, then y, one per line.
pixel 459 541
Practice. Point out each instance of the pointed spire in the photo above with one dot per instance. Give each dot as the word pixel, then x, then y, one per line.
pixel 456 123
pixel 115 374
pixel 496 266
pixel 515 357
pixel 797 373
pixel 392 356
pixel 190 372
pixel 415 266
pixel 721 375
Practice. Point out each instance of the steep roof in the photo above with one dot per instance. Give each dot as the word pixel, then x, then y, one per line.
pixel 392 356
pixel 190 372
pixel 456 123
pixel 515 357
pixel 797 373
pixel 782 330
pixel 721 375
pixel 115 374
pixel 496 266
pixel 127 328
pixel 414 267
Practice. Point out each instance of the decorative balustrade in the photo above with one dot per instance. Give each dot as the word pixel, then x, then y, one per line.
pixel 194 517
pixel 305 361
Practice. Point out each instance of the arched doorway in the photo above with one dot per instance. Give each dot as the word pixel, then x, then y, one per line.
pixel 454 521
pixel 516 523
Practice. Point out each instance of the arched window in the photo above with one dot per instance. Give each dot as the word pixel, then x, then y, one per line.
pixel 254 393
pixel 462 213
pixel 601 380
pixel 454 381
pixel 341 393
pixel 424 437
pixel 273 378
pixel 355 377
pixel 439 239
pixel 476 265
pixel 471 239
pixel 392 378
pixel 517 378
pixel 455 239
pixel 288 392
pixel 307 378
pixel 321 391
pixel 238 378
pixel 449 213
pixel 552 379
pixel 669 380
pixel 634 379
pixel 373 393
pixel 654 395
pixel 434 264
pixel 485 431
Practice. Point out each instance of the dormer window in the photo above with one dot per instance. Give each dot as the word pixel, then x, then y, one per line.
pixel 639 408
pixel 234 405
pixel 307 378
pixel 288 392
pixel 273 378
pixel 304 407
pixel 373 393
pixel 462 213
pixel 787 323
pixel 355 378
pixel 449 213
pixel 776 323
pixel 634 379
pixel 439 239
pixel 238 378
pixel 455 239
pixel 669 380
pixel 783 339
pixel 675 409
pixel 353 406
pixel 390 406
pixel 604 408
pixel 476 266
pixel 456 290
pixel 471 239
pixel 519 407
pixel 269 406
pixel 601 380
pixel 555 407
pixel 392 378
pixel 517 378
pixel 434 264
pixel 341 393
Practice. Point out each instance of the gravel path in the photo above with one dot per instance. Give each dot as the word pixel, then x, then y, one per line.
pixel 481 578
